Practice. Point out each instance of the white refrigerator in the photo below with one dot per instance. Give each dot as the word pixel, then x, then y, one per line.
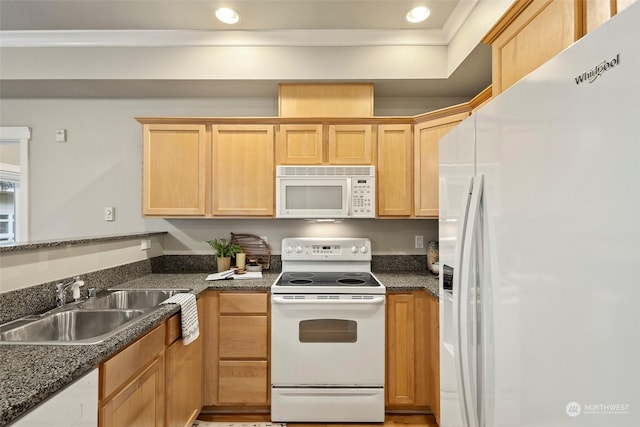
pixel 540 243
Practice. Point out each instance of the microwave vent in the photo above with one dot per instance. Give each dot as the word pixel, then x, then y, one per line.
pixel 325 171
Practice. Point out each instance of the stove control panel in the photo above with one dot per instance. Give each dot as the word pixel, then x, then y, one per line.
pixel 333 248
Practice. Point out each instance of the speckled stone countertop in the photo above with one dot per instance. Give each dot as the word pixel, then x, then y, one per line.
pixel 37 244
pixel 31 373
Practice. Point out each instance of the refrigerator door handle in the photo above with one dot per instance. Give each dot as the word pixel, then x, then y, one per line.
pixel 467 374
pixel 458 308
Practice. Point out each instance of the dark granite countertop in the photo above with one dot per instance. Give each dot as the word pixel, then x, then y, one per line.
pixel 37 244
pixel 31 373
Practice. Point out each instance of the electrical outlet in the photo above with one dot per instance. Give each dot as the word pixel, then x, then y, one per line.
pixel 109 213
pixel 145 244
pixel 265 238
pixel 419 242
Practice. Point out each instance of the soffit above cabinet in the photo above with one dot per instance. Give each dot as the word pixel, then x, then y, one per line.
pixel 119 49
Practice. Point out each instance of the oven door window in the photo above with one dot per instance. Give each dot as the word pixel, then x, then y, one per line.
pixel 328 331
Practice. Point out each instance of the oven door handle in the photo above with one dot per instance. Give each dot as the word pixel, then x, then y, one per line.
pixel 282 300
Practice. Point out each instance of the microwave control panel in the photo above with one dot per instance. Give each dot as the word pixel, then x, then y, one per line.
pixel 363 197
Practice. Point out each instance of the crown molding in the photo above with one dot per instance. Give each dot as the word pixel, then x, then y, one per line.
pixel 190 38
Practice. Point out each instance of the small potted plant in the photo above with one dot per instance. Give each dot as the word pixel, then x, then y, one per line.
pixel 224 251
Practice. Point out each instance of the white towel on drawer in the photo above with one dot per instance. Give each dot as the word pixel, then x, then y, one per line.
pixel 188 316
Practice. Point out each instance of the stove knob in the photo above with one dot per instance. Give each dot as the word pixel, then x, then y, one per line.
pixel 288 249
pixel 364 249
pixel 298 249
pixel 354 249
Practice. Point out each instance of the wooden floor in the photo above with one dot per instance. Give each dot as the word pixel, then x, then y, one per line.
pixel 390 421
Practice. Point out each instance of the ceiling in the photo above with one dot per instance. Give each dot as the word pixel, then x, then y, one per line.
pixel 301 23
pixel 197 14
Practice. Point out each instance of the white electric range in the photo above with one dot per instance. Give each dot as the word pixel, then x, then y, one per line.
pixel 327 333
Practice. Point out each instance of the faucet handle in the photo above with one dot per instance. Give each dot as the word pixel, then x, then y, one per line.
pixel 92 292
pixel 76 289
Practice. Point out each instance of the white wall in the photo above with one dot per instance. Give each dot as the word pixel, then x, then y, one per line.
pixel 21 269
pixel 10 153
pixel 100 165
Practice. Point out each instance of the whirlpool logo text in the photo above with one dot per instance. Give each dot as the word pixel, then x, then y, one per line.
pixel 591 75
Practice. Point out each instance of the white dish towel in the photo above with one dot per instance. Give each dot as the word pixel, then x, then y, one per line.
pixel 188 316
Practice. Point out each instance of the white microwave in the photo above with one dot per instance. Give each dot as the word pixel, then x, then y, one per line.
pixel 325 192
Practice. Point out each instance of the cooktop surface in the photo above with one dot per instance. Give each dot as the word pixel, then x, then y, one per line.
pixel 299 278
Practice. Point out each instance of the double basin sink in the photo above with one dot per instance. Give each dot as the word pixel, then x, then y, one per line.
pixel 86 322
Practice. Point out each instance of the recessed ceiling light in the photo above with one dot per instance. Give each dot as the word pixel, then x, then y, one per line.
pixel 227 15
pixel 418 14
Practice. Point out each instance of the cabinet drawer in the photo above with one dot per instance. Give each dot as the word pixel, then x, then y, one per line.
pixel 231 303
pixel 124 365
pixel 243 382
pixel 243 337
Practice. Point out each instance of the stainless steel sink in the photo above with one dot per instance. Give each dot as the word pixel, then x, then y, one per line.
pixel 72 326
pixel 130 299
pixel 87 322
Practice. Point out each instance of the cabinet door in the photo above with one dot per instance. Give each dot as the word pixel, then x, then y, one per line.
pixel 433 309
pixel 407 344
pixel 351 145
pixel 140 402
pixel 243 180
pixel 598 11
pixel 395 168
pixel 299 145
pixel 427 137
pixel 530 34
pixel 184 379
pixel 174 167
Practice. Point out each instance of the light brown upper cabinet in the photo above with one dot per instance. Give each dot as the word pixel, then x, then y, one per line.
pixel 321 144
pixel 427 138
pixel 395 170
pixel 299 145
pixel 174 169
pixel 598 11
pixel 242 176
pixel 529 34
pixel 325 100
pixel 533 31
pixel 351 145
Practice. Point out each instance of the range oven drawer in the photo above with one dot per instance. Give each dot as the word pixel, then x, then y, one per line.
pixel 327 405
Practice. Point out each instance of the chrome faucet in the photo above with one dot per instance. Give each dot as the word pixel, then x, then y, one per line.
pixel 61 289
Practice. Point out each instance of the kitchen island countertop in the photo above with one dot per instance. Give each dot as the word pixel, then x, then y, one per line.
pixel 29 374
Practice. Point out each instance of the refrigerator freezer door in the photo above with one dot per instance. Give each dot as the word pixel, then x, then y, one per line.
pixel 456 162
pixel 561 161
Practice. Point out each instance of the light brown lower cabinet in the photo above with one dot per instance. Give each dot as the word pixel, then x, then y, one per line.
pixel 183 374
pixel 156 381
pixel 433 306
pixel 236 369
pixel 412 371
pixel 132 384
